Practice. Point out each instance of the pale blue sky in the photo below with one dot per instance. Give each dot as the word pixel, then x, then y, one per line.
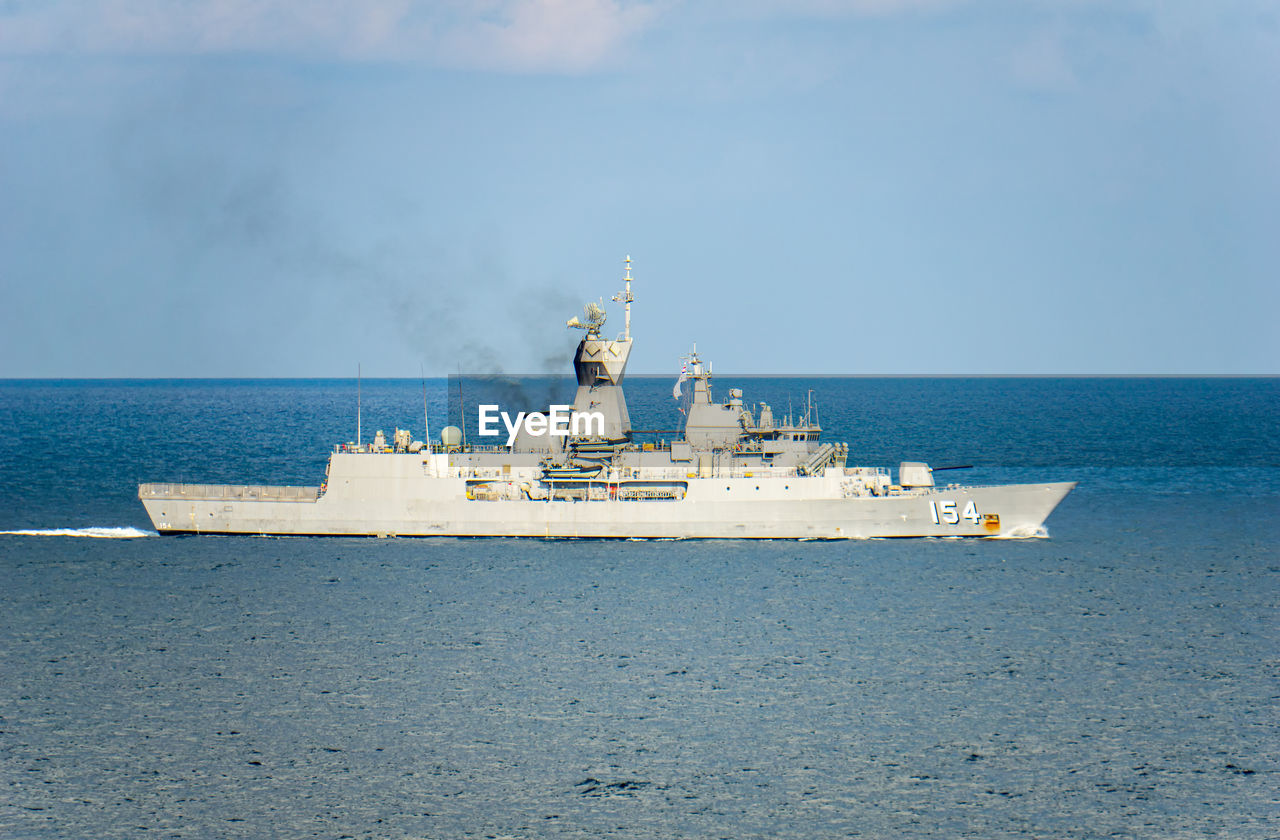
pixel 872 186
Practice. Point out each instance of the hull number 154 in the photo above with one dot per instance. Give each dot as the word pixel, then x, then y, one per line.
pixel 945 513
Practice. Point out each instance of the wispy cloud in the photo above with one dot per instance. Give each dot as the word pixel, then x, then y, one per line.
pixel 1040 62
pixel 564 34
pixel 504 35
pixel 828 9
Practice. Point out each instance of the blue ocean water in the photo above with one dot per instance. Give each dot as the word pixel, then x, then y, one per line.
pixel 1118 679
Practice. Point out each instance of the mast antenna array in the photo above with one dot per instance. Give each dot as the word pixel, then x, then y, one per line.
pixel 625 297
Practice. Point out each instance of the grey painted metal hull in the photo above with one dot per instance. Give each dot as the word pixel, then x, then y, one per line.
pixel 722 509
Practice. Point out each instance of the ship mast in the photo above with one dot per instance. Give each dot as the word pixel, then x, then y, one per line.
pixel 625 297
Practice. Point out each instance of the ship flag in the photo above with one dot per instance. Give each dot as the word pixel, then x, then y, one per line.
pixel 684 374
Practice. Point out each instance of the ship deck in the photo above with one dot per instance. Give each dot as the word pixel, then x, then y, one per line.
pixel 229 492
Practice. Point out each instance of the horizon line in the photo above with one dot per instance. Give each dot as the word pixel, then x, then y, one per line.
pixel 656 376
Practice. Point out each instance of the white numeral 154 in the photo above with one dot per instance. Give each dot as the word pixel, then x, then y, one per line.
pixel 945 512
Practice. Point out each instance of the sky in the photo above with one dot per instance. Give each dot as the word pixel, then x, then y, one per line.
pixel 289 189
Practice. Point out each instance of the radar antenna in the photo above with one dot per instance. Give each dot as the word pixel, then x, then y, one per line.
pixel 593 318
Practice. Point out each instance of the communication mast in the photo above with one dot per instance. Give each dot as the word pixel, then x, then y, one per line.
pixel 625 297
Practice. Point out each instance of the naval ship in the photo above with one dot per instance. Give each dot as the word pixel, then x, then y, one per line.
pixel 580 471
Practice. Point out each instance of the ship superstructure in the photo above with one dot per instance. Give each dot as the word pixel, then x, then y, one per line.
pixel 736 471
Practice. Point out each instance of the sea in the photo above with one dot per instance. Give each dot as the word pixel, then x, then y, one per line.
pixel 1115 677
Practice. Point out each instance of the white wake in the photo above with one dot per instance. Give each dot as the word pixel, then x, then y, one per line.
pixel 97 533
pixel 1024 532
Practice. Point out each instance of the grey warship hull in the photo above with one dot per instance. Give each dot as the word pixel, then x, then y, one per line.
pixel 737 473
pixel 388 495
